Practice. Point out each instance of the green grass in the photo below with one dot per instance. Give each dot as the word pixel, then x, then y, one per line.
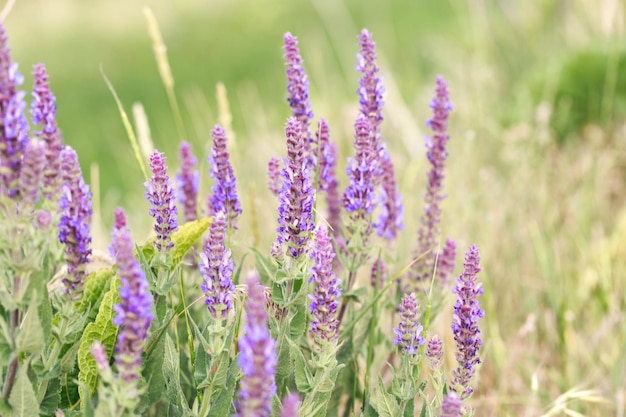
pixel 549 220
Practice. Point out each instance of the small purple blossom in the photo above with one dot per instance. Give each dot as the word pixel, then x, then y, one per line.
pixel 451 406
pixel 409 332
pixel 428 233
pixel 358 199
pixel 434 352
pixel 390 219
pixel 378 275
pixel 297 86
pixel 43 219
pixel 295 221
pixel 187 182
pixel 133 313
pixel 446 262
pixel 32 171
pixel 327 293
pixel 290 405
pixel 257 357
pixel 465 324
pixel 100 356
pixel 273 175
pixel 74 232
pixel 13 133
pixel 216 267
pixel 371 88
pixel 327 177
pixel 224 197
pixel 160 194
pixel 43 110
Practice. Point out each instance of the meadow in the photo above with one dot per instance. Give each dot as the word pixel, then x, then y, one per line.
pixel 542 198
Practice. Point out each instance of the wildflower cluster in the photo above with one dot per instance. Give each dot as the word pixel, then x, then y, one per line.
pixel 303 332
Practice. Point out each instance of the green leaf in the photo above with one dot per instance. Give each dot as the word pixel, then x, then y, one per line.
pixel 184 238
pixel 23 399
pixel 223 403
pixel 300 369
pixel 297 324
pixel 45 314
pixel 385 403
pixel 266 267
pixel 95 286
pixel 101 329
pixel 171 366
pixel 153 375
pixel 30 337
pixel 51 399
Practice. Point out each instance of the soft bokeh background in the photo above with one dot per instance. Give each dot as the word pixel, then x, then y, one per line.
pixel 536 169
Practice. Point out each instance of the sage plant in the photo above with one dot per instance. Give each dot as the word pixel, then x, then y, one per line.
pixel 224 197
pixel 160 194
pixel 187 182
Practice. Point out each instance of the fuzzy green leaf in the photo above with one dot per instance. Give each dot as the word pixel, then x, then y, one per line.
pixel 101 329
pixel 153 375
pixel 184 238
pixel 30 337
pixel 385 403
pixel 95 286
pixel 171 368
pixel 300 369
pixel 223 404
pixel 23 400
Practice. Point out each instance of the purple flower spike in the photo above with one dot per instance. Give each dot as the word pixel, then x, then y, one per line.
pixel 217 268
pixel 160 194
pixel 224 197
pixel 187 182
pixel 295 221
pixel 297 85
pixel 371 87
pixel 428 233
pixel 390 219
pixel 327 176
pixel 32 170
pixel 358 198
pixel 434 352
pixel 257 357
pixel 327 294
pixel 409 332
pixel 451 406
pixel 100 356
pixel 74 232
pixel 43 110
pixel 133 314
pixel 13 132
pixel 446 262
pixel 465 324
pixel 379 273
pixel 290 405
pixel 273 175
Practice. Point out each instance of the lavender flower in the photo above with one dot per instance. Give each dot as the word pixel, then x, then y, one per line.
pixel 371 87
pixel 408 334
pixel 187 182
pixel 358 198
pixel 273 174
pixel 257 357
pixel 327 293
pixel 13 132
pixel 74 232
pixel 297 86
pixel 379 274
pixel 43 110
pixel 295 221
pixel 434 352
pixel 217 267
pixel 100 356
pixel 451 406
pixel 390 219
pixel 224 197
pixel 428 233
pixel 160 194
pixel 290 405
pixel 327 177
pixel 445 262
pixel 133 314
pixel 465 324
pixel 32 171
